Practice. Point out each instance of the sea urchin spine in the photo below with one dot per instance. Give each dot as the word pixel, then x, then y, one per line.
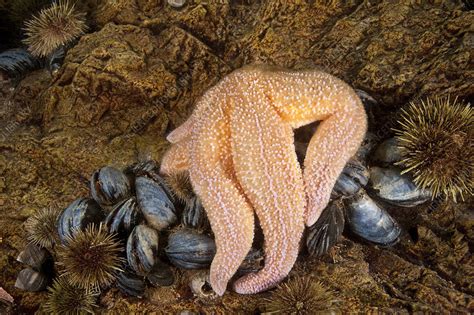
pixel 437 141
pixel 41 227
pixel 91 258
pixel 64 298
pixel 302 295
pixel 53 27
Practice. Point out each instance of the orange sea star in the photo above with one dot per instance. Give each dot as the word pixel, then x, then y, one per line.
pixel 239 149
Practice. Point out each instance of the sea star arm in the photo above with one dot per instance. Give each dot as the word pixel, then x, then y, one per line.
pixel 213 179
pixel 268 171
pixel 303 97
pixel 335 141
pixel 176 159
pixel 182 132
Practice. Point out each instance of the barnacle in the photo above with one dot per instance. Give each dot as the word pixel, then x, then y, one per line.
pixel 302 295
pixel 437 141
pixel 91 257
pixel 53 27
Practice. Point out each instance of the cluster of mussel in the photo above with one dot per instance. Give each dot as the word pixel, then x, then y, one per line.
pixel 369 183
pixel 138 208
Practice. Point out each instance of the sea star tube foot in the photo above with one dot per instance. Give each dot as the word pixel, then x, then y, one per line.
pixel 239 147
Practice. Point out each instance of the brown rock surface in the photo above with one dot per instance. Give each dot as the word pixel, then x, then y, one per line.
pixel 122 87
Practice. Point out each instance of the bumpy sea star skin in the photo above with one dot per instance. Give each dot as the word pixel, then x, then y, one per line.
pixel 238 146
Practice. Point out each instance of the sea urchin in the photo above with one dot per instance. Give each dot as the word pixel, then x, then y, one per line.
pixel 302 295
pixel 64 298
pixel 53 27
pixel 41 227
pixel 437 141
pixel 91 258
pixel 180 186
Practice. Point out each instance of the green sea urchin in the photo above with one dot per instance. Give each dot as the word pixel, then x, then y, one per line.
pixel 437 141
pixel 41 227
pixel 64 298
pixel 302 295
pixel 91 258
pixel 53 27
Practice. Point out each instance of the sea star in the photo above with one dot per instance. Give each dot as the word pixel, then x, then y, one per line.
pixel 239 149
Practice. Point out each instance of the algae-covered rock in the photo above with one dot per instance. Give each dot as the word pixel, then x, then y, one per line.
pixel 143 66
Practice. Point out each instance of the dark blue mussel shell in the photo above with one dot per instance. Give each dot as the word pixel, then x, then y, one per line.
pixel 77 216
pixel 325 233
pixel 353 177
pixel 155 202
pixel 142 249
pixel 124 216
pixel 398 189
pixel 131 284
pixel 109 186
pixel 194 215
pixel 189 249
pixel 370 221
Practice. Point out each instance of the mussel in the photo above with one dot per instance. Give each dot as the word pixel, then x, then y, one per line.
pixel 388 152
pixel 369 221
pixel 124 216
pixel 34 256
pixel 354 176
pixel 189 249
pixel 109 185
pixel 32 280
pixel 151 170
pixel 327 230
pixel 161 275
pixel 142 249
pixel 366 147
pixel 194 215
pixel 253 262
pixel 391 186
pixel 77 216
pixel 131 284
pixel 155 203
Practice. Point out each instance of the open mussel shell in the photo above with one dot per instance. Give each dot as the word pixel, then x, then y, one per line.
pixel 32 280
pixel 391 186
pixel 194 215
pixel 34 256
pixel 354 176
pixel 77 216
pixel 155 203
pixel 189 249
pixel 124 217
pixel 327 230
pixel 131 284
pixel 142 249
pixel 109 185
pixel 161 275
pixel 369 221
